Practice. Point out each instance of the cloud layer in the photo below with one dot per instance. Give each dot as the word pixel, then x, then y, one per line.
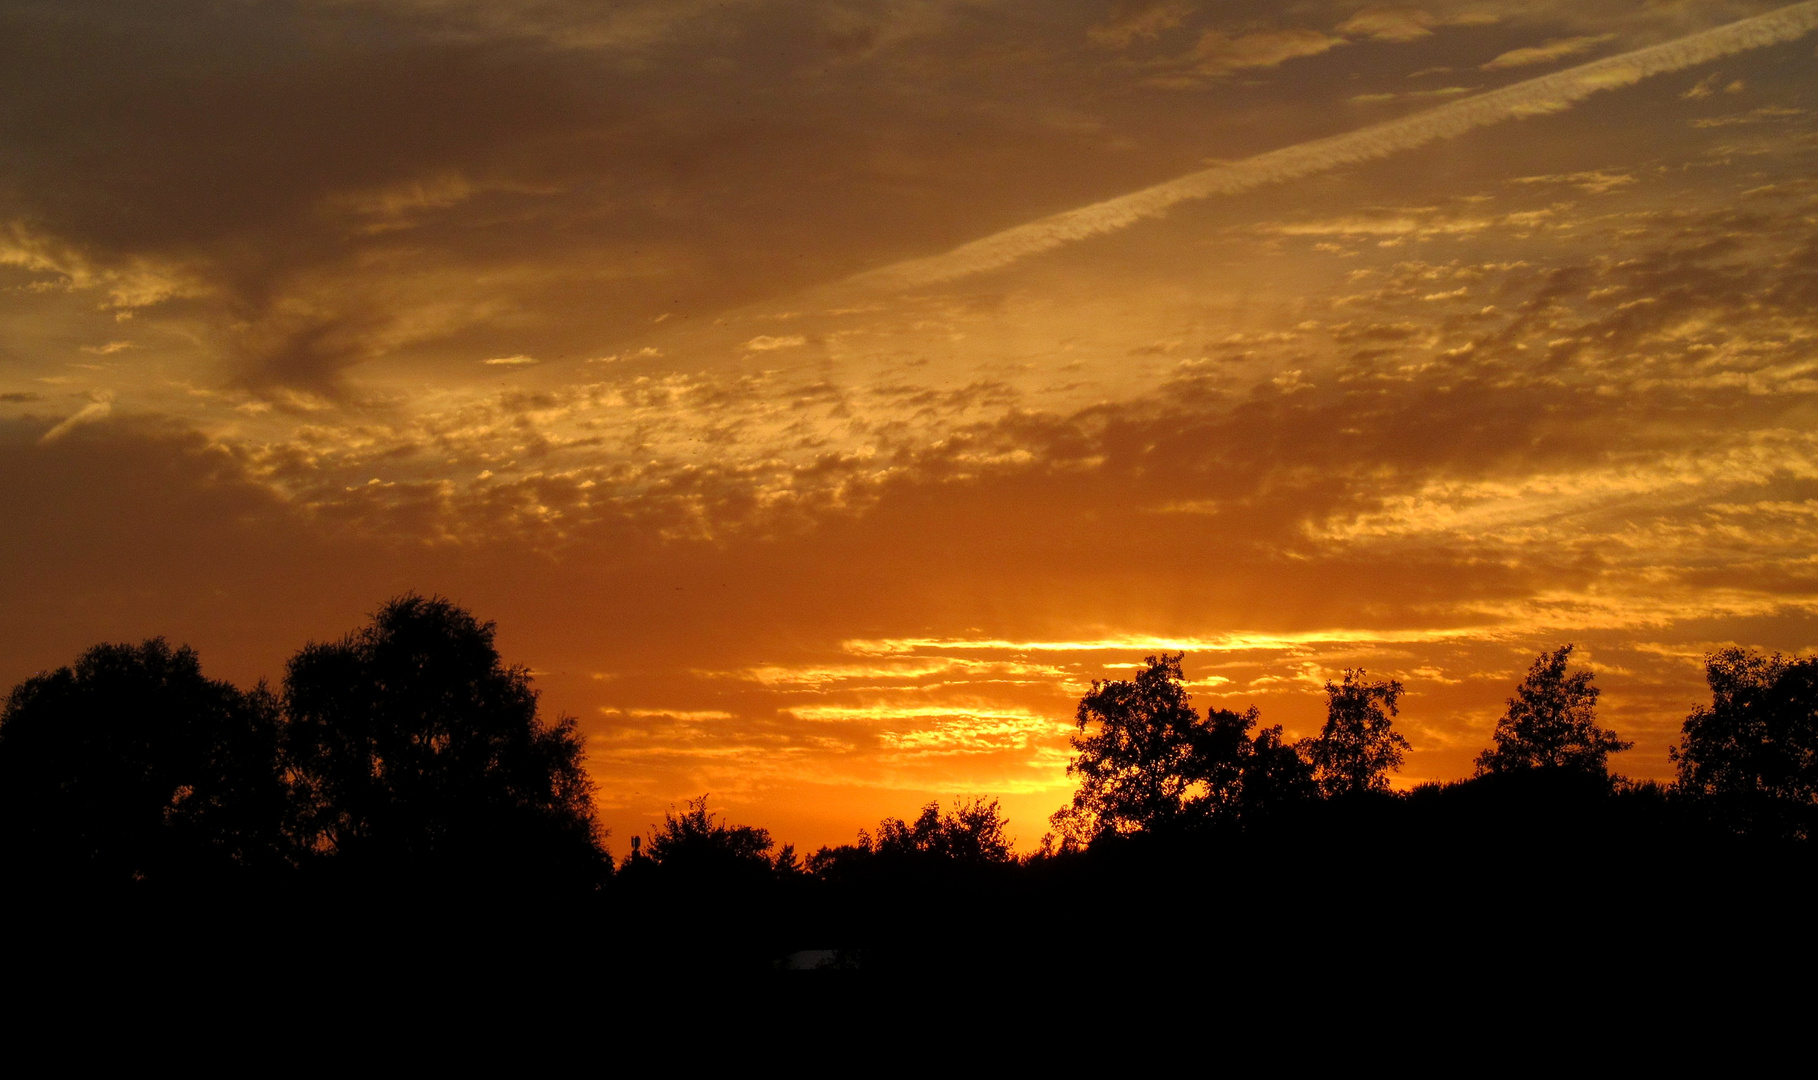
pixel 621 326
pixel 1549 93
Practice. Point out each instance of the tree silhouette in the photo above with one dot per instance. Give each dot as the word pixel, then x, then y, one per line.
pixel 697 842
pixel 1754 751
pixel 1551 723
pixel 971 833
pixel 1275 774
pixel 133 766
pixel 1133 752
pixel 413 746
pixel 1359 746
pixel 1147 761
pixel 970 836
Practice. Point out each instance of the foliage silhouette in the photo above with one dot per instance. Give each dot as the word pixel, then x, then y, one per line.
pixel 134 766
pixel 697 842
pixel 414 749
pixel 1551 723
pixel 707 894
pixel 1752 755
pixel 972 834
pixel 1134 753
pixel 412 756
pixel 1148 762
pixel 1271 775
pixel 1358 746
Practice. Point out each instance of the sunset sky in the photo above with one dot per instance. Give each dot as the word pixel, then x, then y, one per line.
pixel 819 394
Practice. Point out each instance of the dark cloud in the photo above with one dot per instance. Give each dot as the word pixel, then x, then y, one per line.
pixel 273 156
pixel 320 176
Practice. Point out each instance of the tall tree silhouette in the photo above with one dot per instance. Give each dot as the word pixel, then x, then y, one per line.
pixel 133 766
pixel 413 748
pixel 1147 761
pixel 1551 723
pixel 1358 746
pixel 1753 752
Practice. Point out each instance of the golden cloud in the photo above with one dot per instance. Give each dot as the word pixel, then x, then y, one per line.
pixel 1547 53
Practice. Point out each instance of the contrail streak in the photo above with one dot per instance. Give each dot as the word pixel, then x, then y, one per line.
pixel 1549 93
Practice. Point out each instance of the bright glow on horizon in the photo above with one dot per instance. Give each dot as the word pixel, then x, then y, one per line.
pixel 1136 643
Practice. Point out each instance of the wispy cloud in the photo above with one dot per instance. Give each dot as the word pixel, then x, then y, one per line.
pixel 1708 85
pixel 98 409
pixel 1390 24
pixel 1220 53
pixel 1595 182
pixel 1138 643
pixel 1407 95
pixel 1130 23
pixel 1546 54
pixel 1547 94
pixel 766 343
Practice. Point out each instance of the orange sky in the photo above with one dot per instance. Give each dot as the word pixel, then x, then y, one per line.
pixel 820 394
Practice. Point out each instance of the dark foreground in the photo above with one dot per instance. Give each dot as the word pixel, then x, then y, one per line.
pixel 1472 877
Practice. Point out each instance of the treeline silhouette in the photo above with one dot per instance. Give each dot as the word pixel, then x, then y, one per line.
pixel 399 796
